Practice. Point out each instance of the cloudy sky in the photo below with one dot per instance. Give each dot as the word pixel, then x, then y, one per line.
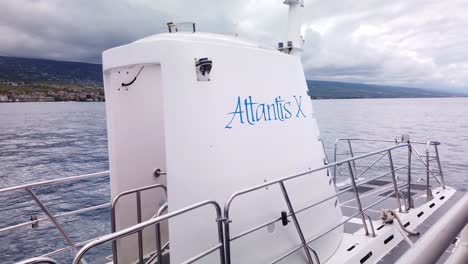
pixel 421 43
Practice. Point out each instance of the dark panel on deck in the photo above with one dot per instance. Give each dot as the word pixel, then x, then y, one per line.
pixel 378 182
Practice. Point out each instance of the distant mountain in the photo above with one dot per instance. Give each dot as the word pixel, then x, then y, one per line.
pixel 328 90
pixel 49 71
pixel 23 70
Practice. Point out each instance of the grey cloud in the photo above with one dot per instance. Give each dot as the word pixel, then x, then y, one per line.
pixel 415 43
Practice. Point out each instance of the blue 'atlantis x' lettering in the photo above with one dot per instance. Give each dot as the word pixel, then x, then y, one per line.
pixel 249 112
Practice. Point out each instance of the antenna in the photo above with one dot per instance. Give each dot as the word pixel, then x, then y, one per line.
pixel 294 38
pixel 176 27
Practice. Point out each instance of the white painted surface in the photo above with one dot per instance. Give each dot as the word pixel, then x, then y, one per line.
pixel 136 147
pixel 210 158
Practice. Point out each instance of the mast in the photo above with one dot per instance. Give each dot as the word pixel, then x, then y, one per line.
pixel 294 41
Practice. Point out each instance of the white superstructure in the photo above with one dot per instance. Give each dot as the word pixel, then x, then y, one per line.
pixel 248 122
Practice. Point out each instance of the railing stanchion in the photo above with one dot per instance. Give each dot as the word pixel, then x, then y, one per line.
pixel 159 246
pixel 410 199
pixel 428 170
pixel 438 164
pixel 140 232
pixel 219 222
pixel 395 185
pixel 334 160
pixel 371 224
pixel 158 243
pixel 352 156
pixel 358 199
pixel 114 242
pixel 296 223
pixel 227 237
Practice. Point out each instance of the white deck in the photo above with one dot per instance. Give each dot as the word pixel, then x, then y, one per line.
pixel 376 247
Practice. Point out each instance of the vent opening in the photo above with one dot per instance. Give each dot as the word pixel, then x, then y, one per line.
pixel 388 239
pixel 366 257
pixel 351 248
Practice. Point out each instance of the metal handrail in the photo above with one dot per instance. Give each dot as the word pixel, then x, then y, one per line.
pixel 436 157
pixel 50 217
pixel 334 227
pixel 411 151
pixel 137 191
pixel 426 164
pixel 280 181
pixel 70 213
pixel 55 252
pixel 310 206
pixel 144 188
pixel 38 260
pixel 381 140
pixel 139 227
pixel 54 181
pixel 371 165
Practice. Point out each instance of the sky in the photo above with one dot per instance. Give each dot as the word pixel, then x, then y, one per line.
pixel 415 43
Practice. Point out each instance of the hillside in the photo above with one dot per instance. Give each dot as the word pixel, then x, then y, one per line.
pixel 35 80
pixel 23 79
pixel 328 90
pixel 49 71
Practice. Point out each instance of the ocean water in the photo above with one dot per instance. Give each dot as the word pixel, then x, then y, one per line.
pixel 40 141
pixel 440 119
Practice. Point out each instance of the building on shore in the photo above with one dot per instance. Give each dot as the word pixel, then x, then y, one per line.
pixel 29 98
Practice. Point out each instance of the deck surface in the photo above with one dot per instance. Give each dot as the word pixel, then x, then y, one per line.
pixel 378 189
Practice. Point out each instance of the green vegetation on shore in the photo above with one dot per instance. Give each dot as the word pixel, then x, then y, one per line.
pixel 48 92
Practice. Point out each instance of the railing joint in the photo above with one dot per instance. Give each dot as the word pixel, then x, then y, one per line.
pixel 223 220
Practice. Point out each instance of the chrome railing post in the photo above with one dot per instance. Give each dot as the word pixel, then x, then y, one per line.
pixel 325 159
pixel 352 156
pixel 334 160
pixel 371 224
pixel 296 222
pixel 140 232
pixel 114 242
pixel 438 164
pixel 316 257
pixel 227 236
pixel 358 199
pixel 395 185
pixel 410 199
pixel 219 223
pixel 159 247
pixel 428 171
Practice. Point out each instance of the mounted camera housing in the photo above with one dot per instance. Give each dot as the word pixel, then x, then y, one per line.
pixel 203 67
